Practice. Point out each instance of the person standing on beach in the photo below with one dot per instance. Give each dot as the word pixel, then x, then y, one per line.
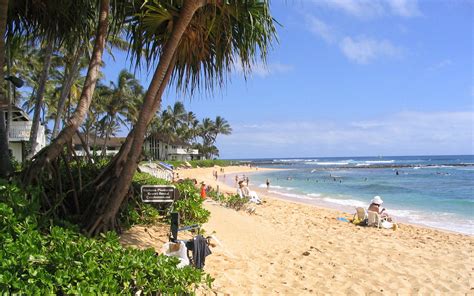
pixel 268 184
pixel 203 190
pixel 247 181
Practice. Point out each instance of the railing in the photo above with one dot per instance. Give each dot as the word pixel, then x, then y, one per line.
pixel 183 151
pixel 81 152
pixel 20 131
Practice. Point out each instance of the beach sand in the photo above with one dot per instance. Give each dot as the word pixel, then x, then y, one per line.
pixel 297 249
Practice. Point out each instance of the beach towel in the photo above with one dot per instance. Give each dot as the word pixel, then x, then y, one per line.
pixel 386 224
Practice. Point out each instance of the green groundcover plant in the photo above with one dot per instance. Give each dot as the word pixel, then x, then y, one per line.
pixel 233 201
pixel 38 257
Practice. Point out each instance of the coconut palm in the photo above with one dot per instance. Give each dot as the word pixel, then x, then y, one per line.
pixel 200 41
pixel 52 152
pixel 5 163
pixel 118 101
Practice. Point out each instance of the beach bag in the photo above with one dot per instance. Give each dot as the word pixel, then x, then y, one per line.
pixel 358 222
pixel 178 250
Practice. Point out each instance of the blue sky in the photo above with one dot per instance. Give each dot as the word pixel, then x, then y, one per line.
pixel 351 78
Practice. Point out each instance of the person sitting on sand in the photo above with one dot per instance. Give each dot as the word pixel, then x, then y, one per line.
pixel 375 206
pixel 244 191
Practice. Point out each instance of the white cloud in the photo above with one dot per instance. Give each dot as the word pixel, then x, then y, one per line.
pixel 263 70
pixel 359 49
pixel 366 9
pixel 320 28
pixel 405 8
pixel 362 50
pixel 441 64
pixel 405 133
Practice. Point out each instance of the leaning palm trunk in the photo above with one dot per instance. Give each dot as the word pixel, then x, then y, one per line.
pixel 5 163
pixel 103 218
pixel 39 99
pixel 68 81
pixel 53 151
pixel 109 176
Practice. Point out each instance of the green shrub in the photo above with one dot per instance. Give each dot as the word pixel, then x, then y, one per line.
pixel 233 201
pixel 62 261
pixel 190 204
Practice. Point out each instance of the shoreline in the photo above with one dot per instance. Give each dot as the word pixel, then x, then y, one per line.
pixel 342 209
pixel 288 247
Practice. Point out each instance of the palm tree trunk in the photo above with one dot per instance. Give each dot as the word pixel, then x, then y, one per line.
pixel 104 146
pixel 11 92
pixel 39 99
pixel 5 163
pixel 68 81
pixel 110 174
pixel 52 152
pixel 104 217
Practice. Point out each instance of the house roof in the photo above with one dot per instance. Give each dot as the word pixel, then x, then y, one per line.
pixel 111 142
pixel 18 113
pixel 168 140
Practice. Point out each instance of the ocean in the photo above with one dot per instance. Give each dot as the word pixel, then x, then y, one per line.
pixel 435 191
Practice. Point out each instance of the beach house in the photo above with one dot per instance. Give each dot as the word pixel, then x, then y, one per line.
pixel 19 132
pixel 160 147
pixel 101 146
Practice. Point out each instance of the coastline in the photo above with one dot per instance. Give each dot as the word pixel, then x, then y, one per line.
pixel 293 247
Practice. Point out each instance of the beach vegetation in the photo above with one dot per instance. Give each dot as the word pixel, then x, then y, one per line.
pixel 39 257
pixel 190 204
pixel 194 46
pixel 234 30
pixel 233 201
pixel 175 123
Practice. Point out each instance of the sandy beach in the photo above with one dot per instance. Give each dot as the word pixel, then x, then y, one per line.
pixel 290 248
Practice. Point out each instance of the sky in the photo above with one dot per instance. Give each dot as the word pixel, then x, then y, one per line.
pixel 349 78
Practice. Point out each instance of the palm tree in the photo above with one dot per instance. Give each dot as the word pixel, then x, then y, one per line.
pixel 43 78
pixel 52 152
pixel 72 67
pixel 5 163
pixel 199 41
pixel 119 102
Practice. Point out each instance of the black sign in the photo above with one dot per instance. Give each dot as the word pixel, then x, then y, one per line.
pixel 158 193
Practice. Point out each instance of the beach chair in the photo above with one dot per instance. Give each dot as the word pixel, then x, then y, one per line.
pixel 361 214
pixel 374 219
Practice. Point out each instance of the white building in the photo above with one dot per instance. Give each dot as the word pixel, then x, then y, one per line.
pixel 19 133
pixel 111 145
pixel 158 147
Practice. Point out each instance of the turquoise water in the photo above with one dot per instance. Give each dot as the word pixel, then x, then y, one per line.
pixel 435 191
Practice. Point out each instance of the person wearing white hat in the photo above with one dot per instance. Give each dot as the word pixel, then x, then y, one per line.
pixel 375 206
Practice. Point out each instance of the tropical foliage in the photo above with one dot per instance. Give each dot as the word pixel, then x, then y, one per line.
pixel 177 123
pixel 194 46
pixel 38 258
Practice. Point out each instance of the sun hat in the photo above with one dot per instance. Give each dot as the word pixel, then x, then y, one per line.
pixel 377 200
